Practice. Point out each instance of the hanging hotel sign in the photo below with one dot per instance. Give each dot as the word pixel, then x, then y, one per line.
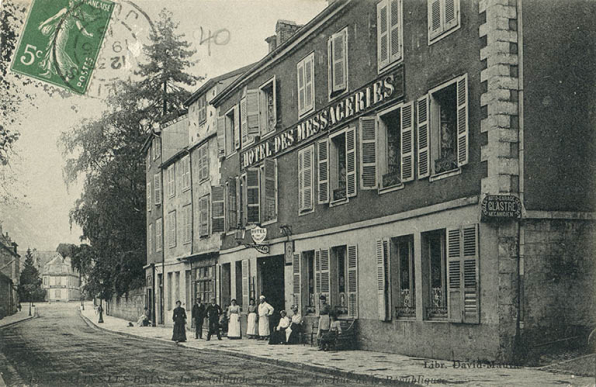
pixel 376 93
pixel 501 207
pixel 258 235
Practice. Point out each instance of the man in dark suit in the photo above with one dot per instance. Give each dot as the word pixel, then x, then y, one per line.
pixel 198 314
pixel 213 312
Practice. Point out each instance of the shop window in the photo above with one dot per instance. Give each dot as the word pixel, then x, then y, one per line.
pixel 443 18
pixel 337 54
pixel 403 278
pixel 389 32
pixel 339 279
pixel 435 261
pixel 306 85
pixel 267 107
pixel 336 277
pixel 204 283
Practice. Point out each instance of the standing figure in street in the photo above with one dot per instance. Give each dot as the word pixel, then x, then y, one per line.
pixel 265 311
pixel 251 329
pixel 293 332
pixel 213 312
pixel 234 321
pixel 179 318
pixel 324 322
pixel 198 314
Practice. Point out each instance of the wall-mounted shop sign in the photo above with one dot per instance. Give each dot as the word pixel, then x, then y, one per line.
pixel 258 235
pixel 386 88
pixel 501 207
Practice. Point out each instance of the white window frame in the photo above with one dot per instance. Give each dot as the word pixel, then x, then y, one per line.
pixel 391 61
pixel 172 232
pixel 382 160
pixel 443 30
pixel 309 60
pixel 158 235
pixel 263 107
pixel 334 94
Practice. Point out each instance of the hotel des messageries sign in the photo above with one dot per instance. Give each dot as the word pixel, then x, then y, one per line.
pixel 384 89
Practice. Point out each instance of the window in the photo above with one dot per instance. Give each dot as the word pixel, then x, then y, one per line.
pixel 148 159
pixel 339 279
pixel 202 102
pixel 156 145
pixel 241 200
pixel 232 135
pixel 269 190
pixel 306 85
pixel 305 179
pixel 171 173
pixel 204 162
pixel 217 209
pixel 231 205
pixel 204 283
pixel 267 107
pixel 443 18
pixel 157 188
pixel 187 221
pixel 443 118
pixel 169 286
pixel 45 280
pixel 149 194
pixel 149 238
pixel 337 54
pixel 402 276
pixel 253 196
pixel 389 32
pixel 177 287
pixel 239 276
pixel 336 277
pixel 342 165
pixel 58 293
pixel 433 254
pixel 249 116
pixel 172 229
pixel 204 216
pixel 185 166
pixel 309 262
pixel 158 234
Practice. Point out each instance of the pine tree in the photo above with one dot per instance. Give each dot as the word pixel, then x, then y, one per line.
pixel 30 289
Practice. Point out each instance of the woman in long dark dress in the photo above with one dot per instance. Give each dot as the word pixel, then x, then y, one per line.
pixel 179 322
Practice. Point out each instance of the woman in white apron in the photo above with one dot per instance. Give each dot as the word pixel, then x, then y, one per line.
pixel 251 330
pixel 233 321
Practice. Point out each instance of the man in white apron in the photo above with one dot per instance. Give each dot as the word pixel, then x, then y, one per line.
pixel 265 310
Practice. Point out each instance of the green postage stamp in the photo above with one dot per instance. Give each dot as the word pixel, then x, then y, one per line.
pixel 61 41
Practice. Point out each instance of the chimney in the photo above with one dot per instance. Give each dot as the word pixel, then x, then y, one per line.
pixel 14 245
pixel 272 42
pixel 284 29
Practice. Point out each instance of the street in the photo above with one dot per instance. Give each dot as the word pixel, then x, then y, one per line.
pixel 60 349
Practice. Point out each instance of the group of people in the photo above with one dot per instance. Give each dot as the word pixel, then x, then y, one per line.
pixel 219 320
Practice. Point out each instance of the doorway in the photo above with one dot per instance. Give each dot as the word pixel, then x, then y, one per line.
pixel 271 284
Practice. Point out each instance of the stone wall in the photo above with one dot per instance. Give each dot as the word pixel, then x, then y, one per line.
pixel 128 307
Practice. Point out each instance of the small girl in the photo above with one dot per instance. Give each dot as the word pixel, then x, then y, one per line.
pixel 334 330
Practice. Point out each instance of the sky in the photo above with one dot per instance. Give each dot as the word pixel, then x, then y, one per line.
pixel 227 34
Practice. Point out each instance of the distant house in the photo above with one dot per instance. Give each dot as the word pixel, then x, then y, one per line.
pixel 60 280
pixel 9 275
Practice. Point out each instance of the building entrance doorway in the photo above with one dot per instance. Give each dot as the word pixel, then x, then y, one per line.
pixel 271 284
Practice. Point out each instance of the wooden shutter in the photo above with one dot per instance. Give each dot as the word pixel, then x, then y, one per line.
pixel 423 138
pixel 325 275
pixel 221 136
pixel 149 194
pixel 451 12
pixel 317 280
pixel 204 216
pixel 243 202
pixel 323 171
pixel 329 71
pixel 351 162
pixel 217 209
pixel 470 269
pixel 462 120
pixel 368 153
pixel 434 18
pixel 232 205
pixel 353 281
pixel 454 282
pixel 270 190
pixel 394 30
pixel 382 256
pixel 296 281
pixel 157 186
pixel 300 180
pixel 300 79
pixel 236 128
pixel 205 167
pixel 407 142
pixel 382 34
pixel 307 178
pixel 339 60
pixel 309 84
pixel 252 112
pixel 253 211
pixel 245 284
pixel 243 121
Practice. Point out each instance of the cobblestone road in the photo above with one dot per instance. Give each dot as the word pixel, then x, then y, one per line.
pixel 60 349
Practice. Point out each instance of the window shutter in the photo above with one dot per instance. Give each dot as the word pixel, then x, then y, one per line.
pixel 451 12
pixel 243 121
pixel 252 112
pixel 253 195
pixel 323 169
pixel 423 137
pixel 149 239
pixel 149 194
pixel 317 280
pixel 353 281
pixel 270 190
pixel 309 85
pixel 339 60
pixel 300 180
pixel 205 157
pixel 300 79
pixel 236 128
pixel 307 178
pixel 382 35
pixel 157 186
pixel 407 143
pixel 245 284
pixel 221 136
pixel 454 282
pixel 325 286
pixel 471 293
pixel 244 205
pixel 232 205
pixel 297 283
pixel 368 153
pixel 462 121
pixel 329 68
pixel 382 252
pixel 434 18
pixel 204 216
pixel 351 162
pixel 395 30
pixel 217 209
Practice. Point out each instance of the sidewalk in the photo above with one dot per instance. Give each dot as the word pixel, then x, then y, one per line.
pixel 18 316
pixel 362 363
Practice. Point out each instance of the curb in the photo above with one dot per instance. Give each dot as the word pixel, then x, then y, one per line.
pixel 281 363
pixel 20 321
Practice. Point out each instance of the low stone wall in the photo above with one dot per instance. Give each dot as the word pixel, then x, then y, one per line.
pixel 128 307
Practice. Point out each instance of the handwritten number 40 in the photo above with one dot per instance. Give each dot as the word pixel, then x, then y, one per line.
pixel 220 37
pixel 31 52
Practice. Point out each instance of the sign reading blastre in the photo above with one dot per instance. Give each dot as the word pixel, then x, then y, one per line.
pixel 501 207
pixel 355 104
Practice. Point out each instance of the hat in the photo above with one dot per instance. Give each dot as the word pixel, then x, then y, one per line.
pixel 262 298
pixel 322 297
